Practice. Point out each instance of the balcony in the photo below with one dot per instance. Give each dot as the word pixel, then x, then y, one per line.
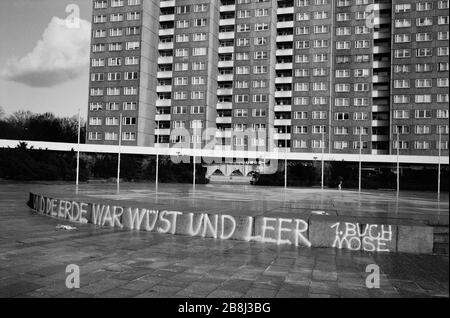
pixel 162 117
pixel 281 149
pixel 283 80
pixel 380 108
pixel 285 24
pixel 165 46
pixel 380 123
pixel 381 64
pixel 283 108
pixel 225 78
pixel 287 10
pixel 222 147
pixel 226 35
pixel 162 145
pixel 161 132
pixel 283 66
pixel 166 17
pixel 378 21
pixel 285 52
pixel 224 91
pixel 376 93
pixel 282 122
pixel 380 138
pixel 224 120
pixel 163 88
pixel 167 4
pixel 165 60
pixel 381 35
pixel 285 94
pixel 224 134
pixel 230 7
pixel 226 49
pixel 166 74
pixel 380 79
pixel 381 49
pixel 224 22
pixel 380 152
pixel 285 38
pixel 282 136
pixel 225 105
pixel 163 102
pixel 165 32
pixel 226 63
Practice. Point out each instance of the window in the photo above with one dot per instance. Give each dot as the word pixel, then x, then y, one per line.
pixel 199 51
pixel 300 129
pixel 200 22
pixel 260 98
pixel 130 91
pixel 301 115
pixel 300 144
pixel 242 98
pixel 259 113
pixel 423 83
pixel 422 129
pixel 95 106
pixel 197 110
pixel 341 130
pixel 111 136
pixel 401 8
pixel 95 121
pixel 422 113
pixel 133 45
pixel 129 136
pixel 261 26
pixel 340 145
pixel 320 29
pixel 112 121
pixel 360 116
pixel 95 136
pixel 422 99
pixel 129 106
pixel 401 114
pixel 132 60
pixel 240 113
pixel 424 21
pixel 97 77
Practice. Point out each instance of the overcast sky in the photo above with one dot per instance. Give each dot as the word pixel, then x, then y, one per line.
pixel 44 56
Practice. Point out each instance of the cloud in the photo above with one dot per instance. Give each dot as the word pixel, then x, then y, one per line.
pixel 60 56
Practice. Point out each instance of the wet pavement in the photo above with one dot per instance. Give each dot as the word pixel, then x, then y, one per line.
pixel 113 263
pixel 259 200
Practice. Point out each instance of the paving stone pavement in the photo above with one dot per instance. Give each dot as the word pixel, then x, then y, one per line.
pixel 114 263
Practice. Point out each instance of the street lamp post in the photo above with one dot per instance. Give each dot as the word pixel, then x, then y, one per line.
pixel 360 165
pixel 285 158
pixel 439 164
pixel 157 161
pixel 119 153
pixel 78 152
pixel 323 151
pixel 398 162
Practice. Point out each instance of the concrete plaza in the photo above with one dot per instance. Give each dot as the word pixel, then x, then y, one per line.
pixel 114 263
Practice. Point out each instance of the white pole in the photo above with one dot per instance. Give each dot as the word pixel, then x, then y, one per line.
pixel 323 149
pixel 119 152
pixel 439 164
pixel 193 173
pixel 398 163
pixel 285 159
pixel 78 151
pixel 157 162
pixel 360 165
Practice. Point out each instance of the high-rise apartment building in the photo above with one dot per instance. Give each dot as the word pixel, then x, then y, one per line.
pixel 301 75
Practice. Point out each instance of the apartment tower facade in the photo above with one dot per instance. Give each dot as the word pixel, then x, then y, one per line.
pixel 289 75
